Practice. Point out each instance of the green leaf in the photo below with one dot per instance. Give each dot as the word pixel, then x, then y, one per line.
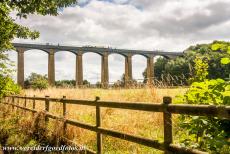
pixel 216 46
pixel 225 61
pixel 228 51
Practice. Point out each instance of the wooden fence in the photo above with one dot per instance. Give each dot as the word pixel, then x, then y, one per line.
pixel 166 108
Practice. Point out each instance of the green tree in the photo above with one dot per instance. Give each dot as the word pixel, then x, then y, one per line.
pixel 65 83
pixel 175 71
pixel 98 84
pixel 9 29
pixel 214 54
pixel 7 86
pixel 37 81
pixel 159 67
pixel 86 82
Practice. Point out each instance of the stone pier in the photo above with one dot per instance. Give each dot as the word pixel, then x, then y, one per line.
pixel 51 68
pixel 150 70
pixel 128 70
pixel 79 70
pixel 104 70
pixel 20 72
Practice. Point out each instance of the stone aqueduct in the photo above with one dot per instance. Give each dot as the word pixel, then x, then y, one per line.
pixel 79 51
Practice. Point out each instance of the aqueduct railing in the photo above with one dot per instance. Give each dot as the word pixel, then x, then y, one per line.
pixel 166 108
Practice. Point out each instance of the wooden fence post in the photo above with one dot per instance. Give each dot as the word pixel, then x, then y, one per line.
pixel 18 103
pixel 64 115
pixel 25 102
pixel 34 103
pixel 168 139
pixel 98 124
pixel 13 103
pixel 47 108
pixel 33 107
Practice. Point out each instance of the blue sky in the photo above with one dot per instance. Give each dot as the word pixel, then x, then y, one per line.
pixel 171 25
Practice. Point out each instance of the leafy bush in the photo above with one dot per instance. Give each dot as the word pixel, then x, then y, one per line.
pixel 207 133
pixel 66 83
pixel 86 82
pixel 7 86
pixel 201 68
pixel 98 84
pixel 37 81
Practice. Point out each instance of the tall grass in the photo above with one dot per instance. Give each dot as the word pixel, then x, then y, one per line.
pixel 146 124
pixel 134 95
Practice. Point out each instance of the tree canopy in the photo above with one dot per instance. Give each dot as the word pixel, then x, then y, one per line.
pixel 10 29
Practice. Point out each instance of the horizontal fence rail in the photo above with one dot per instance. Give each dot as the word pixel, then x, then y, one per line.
pixel 166 108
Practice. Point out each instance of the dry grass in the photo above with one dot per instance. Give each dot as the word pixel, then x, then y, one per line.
pixel 134 95
pixel 139 123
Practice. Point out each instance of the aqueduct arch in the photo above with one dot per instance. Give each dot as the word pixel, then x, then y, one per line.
pixel 79 51
pixel 113 63
pixel 96 66
pixel 139 60
pixel 67 59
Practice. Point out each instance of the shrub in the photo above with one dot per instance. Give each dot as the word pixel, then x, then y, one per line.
pixel 65 83
pixel 7 86
pixel 207 133
pixel 37 81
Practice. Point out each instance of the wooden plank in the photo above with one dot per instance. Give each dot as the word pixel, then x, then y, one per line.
pixel 188 109
pixel 24 108
pixel 79 102
pixel 29 98
pixel 201 110
pixel 120 105
pixel 82 125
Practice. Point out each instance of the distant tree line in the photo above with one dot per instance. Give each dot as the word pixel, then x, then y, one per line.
pixel 38 81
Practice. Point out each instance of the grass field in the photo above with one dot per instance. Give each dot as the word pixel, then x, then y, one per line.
pixel 133 95
pixel 146 124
